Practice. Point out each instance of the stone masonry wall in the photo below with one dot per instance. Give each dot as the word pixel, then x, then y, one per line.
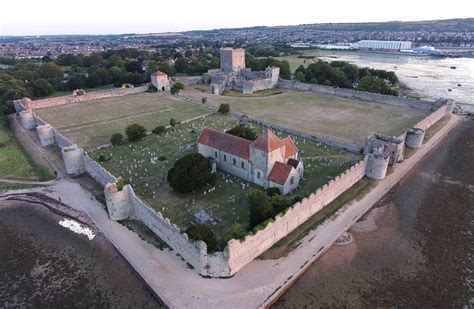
pixel 428 121
pixel 243 252
pixel 70 99
pixel 96 171
pixel 361 95
pixel 195 253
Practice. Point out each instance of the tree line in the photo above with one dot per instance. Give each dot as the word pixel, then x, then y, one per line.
pixel 345 75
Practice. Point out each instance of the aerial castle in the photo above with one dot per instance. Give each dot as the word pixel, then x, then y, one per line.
pixel 233 75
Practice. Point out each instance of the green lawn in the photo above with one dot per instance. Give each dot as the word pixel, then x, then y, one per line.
pixel 349 120
pixel 92 123
pixel 15 163
pixel 134 163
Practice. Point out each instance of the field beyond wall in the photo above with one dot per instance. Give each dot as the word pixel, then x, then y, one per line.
pixel 92 123
pixel 349 120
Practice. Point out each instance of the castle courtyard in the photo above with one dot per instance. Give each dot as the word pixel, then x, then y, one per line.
pixel 92 123
pixel 224 205
pixel 349 120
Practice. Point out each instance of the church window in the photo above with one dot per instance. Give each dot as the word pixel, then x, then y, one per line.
pixel 292 180
pixel 258 174
pixel 234 162
pixel 242 164
pixel 215 154
pixel 225 158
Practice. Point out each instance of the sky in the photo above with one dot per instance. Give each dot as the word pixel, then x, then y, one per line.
pixel 41 17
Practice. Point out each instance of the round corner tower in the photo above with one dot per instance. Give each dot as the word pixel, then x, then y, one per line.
pixel 376 166
pixel 118 203
pixel 46 134
pixel 73 158
pixel 414 137
pixel 27 119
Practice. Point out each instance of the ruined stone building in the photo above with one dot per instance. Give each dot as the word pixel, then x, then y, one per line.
pixel 161 81
pixel 268 161
pixel 233 75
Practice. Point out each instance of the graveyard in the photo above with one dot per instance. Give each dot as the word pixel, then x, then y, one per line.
pixel 225 204
pixel 349 120
pixel 92 123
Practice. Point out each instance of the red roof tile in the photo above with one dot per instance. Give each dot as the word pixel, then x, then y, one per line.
pixel 280 172
pixel 234 145
pixel 159 73
pixel 290 147
pixel 267 142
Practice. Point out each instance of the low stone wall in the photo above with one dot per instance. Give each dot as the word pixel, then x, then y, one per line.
pixel 243 252
pixel 96 171
pixel 361 95
pixel 70 99
pixel 319 139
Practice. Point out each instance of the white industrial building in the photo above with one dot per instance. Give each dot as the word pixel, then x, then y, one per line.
pixel 384 45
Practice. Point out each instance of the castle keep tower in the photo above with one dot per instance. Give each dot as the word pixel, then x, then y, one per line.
pixel 414 138
pixel 232 60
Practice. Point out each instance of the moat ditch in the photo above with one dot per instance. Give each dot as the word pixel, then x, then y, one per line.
pixel 415 247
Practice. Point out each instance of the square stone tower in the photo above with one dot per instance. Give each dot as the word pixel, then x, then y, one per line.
pixel 232 59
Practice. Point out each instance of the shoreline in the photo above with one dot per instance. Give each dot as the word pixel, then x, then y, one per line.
pixel 414 236
pixel 51 264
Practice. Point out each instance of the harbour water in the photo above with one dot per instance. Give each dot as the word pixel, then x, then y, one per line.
pixel 426 77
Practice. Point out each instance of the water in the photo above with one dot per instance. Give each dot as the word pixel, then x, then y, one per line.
pixel 46 265
pixel 426 77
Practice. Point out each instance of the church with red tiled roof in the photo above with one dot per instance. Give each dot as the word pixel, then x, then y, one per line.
pixel 268 161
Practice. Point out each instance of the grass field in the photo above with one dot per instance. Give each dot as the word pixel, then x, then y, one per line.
pixel 15 163
pixel 137 164
pixel 92 123
pixel 349 120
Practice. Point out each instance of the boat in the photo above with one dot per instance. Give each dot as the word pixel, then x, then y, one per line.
pixel 450 89
pixel 459 85
pixel 453 67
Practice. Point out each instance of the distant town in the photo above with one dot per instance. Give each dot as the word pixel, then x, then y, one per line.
pixel 456 35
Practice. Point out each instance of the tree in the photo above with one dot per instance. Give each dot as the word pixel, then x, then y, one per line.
pixel 50 70
pixel 243 131
pixel 41 88
pixel 188 53
pixel 370 84
pixel 93 80
pixel 135 132
pixel 173 122
pixel 76 82
pixel 224 108
pixel 285 71
pixel 260 208
pixel 204 233
pixel 299 76
pixel 116 139
pixel 190 173
pixel 181 65
pixel 279 203
pixel 134 67
pixel 204 100
pixel 176 88
pixel 159 130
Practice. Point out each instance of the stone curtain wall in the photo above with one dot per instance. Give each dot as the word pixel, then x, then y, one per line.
pixel 100 174
pixel 361 95
pixel 243 252
pixel 70 99
pixel 62 140
pixel 432 118
pixel 195 253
